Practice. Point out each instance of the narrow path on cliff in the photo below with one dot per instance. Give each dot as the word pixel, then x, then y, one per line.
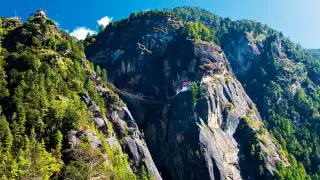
pixel 142 99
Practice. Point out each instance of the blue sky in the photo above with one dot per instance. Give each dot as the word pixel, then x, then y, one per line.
pixel 298 19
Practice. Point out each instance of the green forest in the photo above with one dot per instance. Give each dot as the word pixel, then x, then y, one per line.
pixel 44 74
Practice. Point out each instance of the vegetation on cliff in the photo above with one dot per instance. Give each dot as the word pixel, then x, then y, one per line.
pixel 43 77
pixel 284 84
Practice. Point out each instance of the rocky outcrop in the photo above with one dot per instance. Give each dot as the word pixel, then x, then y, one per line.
pixel 124 128
pixel 242 51
pixel 134 142
pixel 192 123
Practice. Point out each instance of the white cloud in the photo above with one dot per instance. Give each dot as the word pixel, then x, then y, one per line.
pixel 81 32
pixel 105 21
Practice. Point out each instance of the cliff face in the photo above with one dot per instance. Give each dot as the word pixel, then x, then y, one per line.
pixel 119 127
pixel 242 51
pixel 197 119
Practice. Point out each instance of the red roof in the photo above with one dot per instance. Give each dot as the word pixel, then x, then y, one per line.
pixel 185 82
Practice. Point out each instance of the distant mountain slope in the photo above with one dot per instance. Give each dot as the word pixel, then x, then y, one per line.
pixel 280 77
pixel 315 52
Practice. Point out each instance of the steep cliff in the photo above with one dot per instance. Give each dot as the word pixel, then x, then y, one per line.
pixel 197 119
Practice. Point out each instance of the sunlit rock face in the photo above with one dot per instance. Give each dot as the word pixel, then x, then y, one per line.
pixel 190 134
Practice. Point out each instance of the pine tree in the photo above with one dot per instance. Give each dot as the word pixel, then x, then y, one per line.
pixel 7 163
pixel 88 36
pixel 101 28
pixel 5 135
pixel 104 75
pixel 3 90
pixel 58 140
pixel 98 70
pixel 43 164
pixel 18 128
pixel 194 92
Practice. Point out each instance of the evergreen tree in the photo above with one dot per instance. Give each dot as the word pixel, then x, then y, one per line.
pixel 8 167
pixel 6 138
pixel 88 36
pixel 101 28
pixel 3 90
pixel 42 164
pixel 194 92
pixel 98 70
pixel 104 75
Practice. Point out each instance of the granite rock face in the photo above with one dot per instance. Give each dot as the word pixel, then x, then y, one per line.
pixel 195 115
pixel 135 145
pixel 242 52
pixel 123 127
